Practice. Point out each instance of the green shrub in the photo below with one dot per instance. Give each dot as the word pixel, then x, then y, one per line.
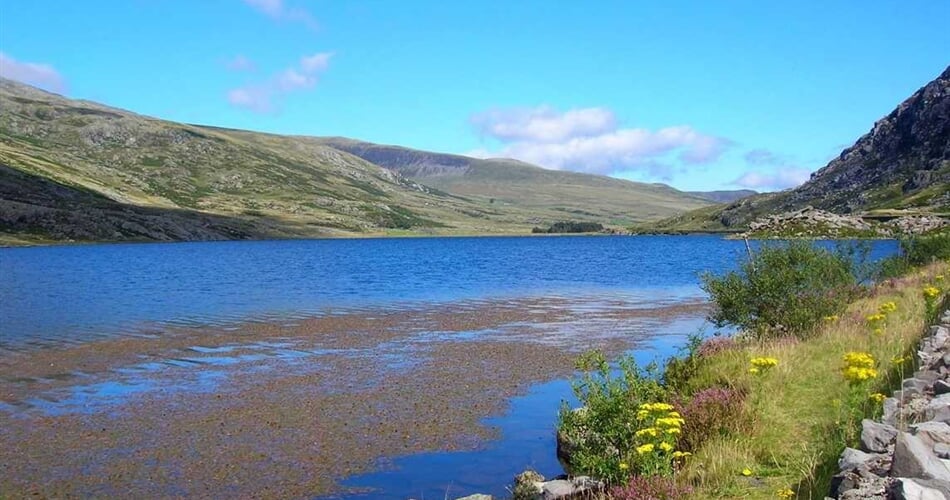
pixel 916 251
pixel 603 434
pixel 783 289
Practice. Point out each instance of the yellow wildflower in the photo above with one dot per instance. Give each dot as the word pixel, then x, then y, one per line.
pixel 754 370
pixel 877 397
pixel 764 362
pixel 673 431
pixel 644 449
pixel 642 414
pixel 877 331
pixel 785 493
pixel 858 367
pixel 888 307
pixel 931 292
pixel 831 319
pixel 624 466
pixel 938 277
pixel 670 422
pixel 681 454
pixel 649 431
pixel 667 447
pixel 747 472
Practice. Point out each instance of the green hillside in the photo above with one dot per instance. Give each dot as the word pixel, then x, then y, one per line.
pixel 267 185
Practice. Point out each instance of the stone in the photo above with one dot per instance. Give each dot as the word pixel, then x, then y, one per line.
pixel 914 489
pixel 477 496
pixel 938 409
pixel 929 376
pixel 932 433
pixel 942 450
pixel 852 458
pixel 913 459
pixel 941 387
pixel 876 437
pixel 916 384
pixel 891 411
pixel 558 489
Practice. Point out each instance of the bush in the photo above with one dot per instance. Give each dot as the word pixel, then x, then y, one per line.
pixel 783 289
pixel 603 435
pixel 711 412
pixel 916 251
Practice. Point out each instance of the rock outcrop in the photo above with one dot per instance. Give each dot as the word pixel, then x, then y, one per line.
pixel 905 456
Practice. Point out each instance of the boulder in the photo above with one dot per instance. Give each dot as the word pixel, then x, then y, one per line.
pixel 914 459
pixel 941 387
pixel 562 489
pixel 915 489
pixel 938 409
pixel 876 437
pixel 892 411
pixel 852 458
pixel 932 433
pixel 942 450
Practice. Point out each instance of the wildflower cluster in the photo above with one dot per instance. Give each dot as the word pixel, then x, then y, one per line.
pixel 660 425
pixel 877 397
pixel 785 493
pixel 762 365
pixel 858 367
pixel 931 293
pixel 831 319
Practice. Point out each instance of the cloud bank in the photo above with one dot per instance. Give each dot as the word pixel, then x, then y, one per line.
pixel 39 75
pixel 590 140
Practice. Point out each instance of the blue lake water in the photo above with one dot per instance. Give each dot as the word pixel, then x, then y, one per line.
pixel 51 296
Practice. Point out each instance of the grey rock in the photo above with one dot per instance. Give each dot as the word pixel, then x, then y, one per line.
pixel 559 489
pixel 852 458
pixel 891 411
pixel 938 409
pixel 876 437
pixel 932 433
pixel 917 384
pixel 929 376
pixel 914 489
pixel 913 459
pixel 942 450
pixel 941 387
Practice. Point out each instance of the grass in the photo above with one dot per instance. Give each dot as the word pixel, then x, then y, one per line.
pixel 797 426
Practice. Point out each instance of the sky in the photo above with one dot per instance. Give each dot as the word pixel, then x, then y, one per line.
pixel 701 95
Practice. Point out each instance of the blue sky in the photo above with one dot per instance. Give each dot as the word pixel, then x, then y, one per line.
pixel 699 95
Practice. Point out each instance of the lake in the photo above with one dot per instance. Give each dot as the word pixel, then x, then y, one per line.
pixel 376 368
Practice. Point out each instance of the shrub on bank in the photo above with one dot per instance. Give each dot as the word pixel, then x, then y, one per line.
pixel 783 289
pixel 916 251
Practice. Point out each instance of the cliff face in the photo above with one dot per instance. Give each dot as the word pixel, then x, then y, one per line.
pixel 904 153
pixel 902 163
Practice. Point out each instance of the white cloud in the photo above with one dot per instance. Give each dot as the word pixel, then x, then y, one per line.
pixel 543 124
pixel 589 140
pixel 276 9
pixel 36 74
pixel 241 63
pixel 261 97
pixel 784 178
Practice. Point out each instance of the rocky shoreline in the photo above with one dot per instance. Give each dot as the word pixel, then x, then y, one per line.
pixel 906 454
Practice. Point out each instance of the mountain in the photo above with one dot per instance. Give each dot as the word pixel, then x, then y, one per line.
pixel 72 169
pixel 555 194
pixel 723 196
pixel 901 166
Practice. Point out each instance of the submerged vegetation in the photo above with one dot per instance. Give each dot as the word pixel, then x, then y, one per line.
pixel 764 413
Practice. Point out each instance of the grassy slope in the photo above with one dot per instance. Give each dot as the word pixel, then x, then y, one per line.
pixel 550 194
pixel 797 432
pixel 299 186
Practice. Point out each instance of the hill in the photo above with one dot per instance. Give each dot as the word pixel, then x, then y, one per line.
pixel 552 194
pixel 900 167
pixel 79 170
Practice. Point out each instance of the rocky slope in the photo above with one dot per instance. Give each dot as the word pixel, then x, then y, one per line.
pixel 902 163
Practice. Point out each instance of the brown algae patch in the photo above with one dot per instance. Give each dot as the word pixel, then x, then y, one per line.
pixel 365 387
